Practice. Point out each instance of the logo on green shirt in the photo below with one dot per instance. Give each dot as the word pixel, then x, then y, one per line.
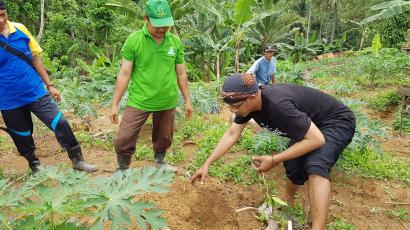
pixel 171 51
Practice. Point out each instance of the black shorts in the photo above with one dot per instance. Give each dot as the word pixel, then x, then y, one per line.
pixel 338 134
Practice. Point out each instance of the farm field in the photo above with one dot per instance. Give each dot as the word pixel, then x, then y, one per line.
pixel 370 186
pixel 100 56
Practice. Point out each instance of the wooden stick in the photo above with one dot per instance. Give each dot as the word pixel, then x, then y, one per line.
pixel 403 224
pixel 247 208
pixel 290 225
pixel 397 203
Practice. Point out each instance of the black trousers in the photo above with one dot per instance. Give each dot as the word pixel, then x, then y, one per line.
pixel 20 125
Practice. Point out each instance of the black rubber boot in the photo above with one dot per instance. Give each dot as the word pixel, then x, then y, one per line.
pixel 159 158
pixel 76 156
pixel 33 162
pixel 124 162
pixel 160 163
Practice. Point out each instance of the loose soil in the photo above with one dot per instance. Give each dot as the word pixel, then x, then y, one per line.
pixel 354 199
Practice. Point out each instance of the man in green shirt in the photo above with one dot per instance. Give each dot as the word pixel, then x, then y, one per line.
pixel 153 59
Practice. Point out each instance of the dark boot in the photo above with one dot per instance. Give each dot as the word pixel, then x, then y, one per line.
pixel 76 156
pixel 124 161
pixel 33 162
pixel 160 163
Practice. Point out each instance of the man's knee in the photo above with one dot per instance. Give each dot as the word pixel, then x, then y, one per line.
pixel 122 145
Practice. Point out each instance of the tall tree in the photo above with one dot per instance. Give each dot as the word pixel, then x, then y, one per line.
pixel 42 12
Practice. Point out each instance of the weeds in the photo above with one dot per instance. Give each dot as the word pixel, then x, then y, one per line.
pixel 401 121
pixel 384 100
pixel 341 224
pixel 401 213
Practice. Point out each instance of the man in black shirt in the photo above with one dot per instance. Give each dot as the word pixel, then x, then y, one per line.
pixel 319 127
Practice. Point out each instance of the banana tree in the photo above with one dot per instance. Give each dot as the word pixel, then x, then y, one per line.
pixel 242 14
pixel 387 10
pixel 362 28
pixel 300 49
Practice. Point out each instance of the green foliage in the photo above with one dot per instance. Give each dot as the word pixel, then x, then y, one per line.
pixel 243 12
pixel 113 198
pixel 368 163
pixel 384 100
pixel 296 212
pixel 188 128
pixel 394 31
pixel 367 131
pixel 144 152
pixel 85 94
pixel 263 143
pixel 401 213
pixel 89 140
pixel 376 43
pixel 5 144
pixel 53 199
pixel 204 97
pixel 342 87
pixel 388 9
pixel 401 121
pixel 239 170
pixel 207 143
pixel 341 225
pixel 364 155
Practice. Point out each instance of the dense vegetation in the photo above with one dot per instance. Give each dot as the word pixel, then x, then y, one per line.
pixel 218 36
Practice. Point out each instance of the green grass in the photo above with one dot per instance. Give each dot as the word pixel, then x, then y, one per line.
pixel 384 100
pixel 370 164
pixel 401 213
pixel 401 121
pixel 341 224
pixel 87 139
pixel 5 143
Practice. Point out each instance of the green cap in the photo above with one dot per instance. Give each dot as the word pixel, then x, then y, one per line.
pixel 159 13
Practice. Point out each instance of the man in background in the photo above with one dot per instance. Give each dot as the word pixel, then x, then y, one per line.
pixel 264 68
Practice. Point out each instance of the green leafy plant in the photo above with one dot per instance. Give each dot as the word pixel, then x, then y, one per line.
pixel 401 213
pixel 384 100
pixel 341 225
pixel 264 142
pixel 54 199
pixel 114 198
pixel 144 152
pixel 401 121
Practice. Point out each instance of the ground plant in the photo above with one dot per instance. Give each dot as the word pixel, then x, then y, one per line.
pixel 57 199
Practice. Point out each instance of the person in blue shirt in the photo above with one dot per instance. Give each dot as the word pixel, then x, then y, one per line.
pixel 25 88
pixel 264 68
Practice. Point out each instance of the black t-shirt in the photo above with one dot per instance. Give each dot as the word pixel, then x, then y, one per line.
pixel 288 110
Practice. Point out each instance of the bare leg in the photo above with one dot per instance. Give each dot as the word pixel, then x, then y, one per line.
pixel 319 194
pixel 289 194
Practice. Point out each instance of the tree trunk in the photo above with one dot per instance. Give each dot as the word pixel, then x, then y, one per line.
pixel 363 39
pixel 203 65
pixel 308 29
pixel 335 22
pixel 40 32
pixel 320 31
pixel 332 36
pixel 217 73
pixel 209 68
pixel 237 54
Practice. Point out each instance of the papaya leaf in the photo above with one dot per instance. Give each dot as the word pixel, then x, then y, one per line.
pixel 114 198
